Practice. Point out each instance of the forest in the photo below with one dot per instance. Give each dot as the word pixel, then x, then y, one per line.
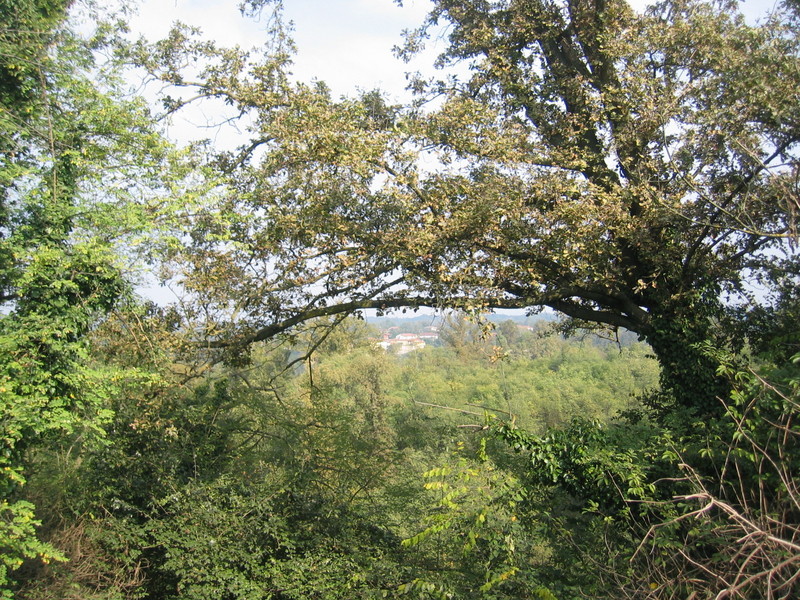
pixel 628 179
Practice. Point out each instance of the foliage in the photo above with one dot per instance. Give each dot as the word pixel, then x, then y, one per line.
pixel 587 162
pixel 308 477
pixel 736 533
pixel 63 123
pixel 587 461
pixel 539 383
pixel 648 515
pixel 473 543
pixel 251 441
pixel 20 542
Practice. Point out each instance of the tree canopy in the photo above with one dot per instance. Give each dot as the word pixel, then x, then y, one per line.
pixel 624 169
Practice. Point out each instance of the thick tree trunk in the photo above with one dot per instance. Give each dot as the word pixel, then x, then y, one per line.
pixel 690 382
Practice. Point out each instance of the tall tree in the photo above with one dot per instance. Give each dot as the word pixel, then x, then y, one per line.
pixel 70 144
pixel 624 169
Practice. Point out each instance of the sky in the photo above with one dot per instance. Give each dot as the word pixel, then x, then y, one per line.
pixel 346 43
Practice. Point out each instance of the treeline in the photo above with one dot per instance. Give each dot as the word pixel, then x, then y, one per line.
pixel 352 472
pixel 473 470
pixel 538 378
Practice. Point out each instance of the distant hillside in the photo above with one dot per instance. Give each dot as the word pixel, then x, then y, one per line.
pixel 413 322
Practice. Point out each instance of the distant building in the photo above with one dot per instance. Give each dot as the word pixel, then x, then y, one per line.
pixel 403 343
pixel 406 336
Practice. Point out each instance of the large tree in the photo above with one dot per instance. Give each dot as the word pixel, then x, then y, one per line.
pixel 70 148
pixel 624 169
